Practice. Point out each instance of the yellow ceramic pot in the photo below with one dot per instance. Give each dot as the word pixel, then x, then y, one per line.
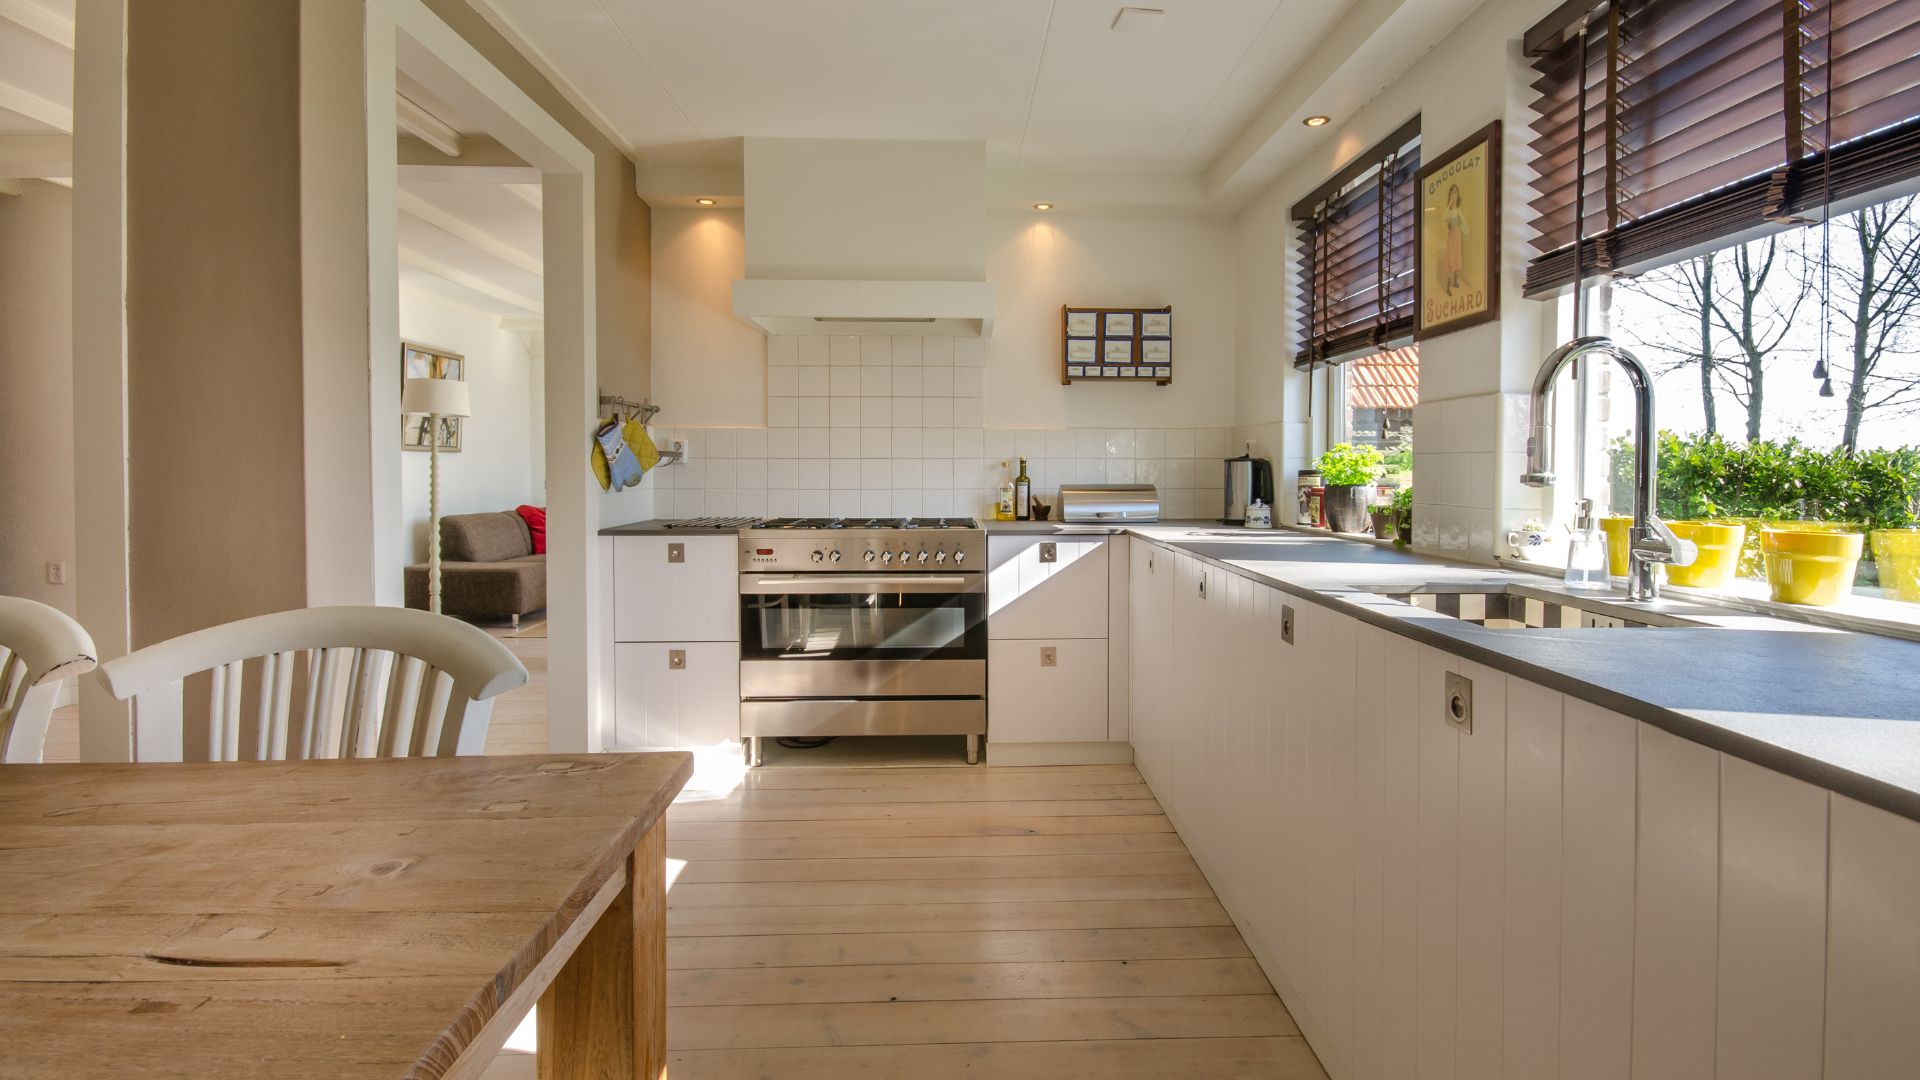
pixel 1897 551
pixel 1719 543
pixel 1616 526
pixel 1806 566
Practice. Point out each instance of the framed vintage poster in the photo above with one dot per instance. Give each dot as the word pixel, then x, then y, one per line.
pixel 1457 271
pixel 426 362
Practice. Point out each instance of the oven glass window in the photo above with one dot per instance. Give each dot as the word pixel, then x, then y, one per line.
pixel 865 624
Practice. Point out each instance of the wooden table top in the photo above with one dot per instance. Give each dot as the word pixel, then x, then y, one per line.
pixel 335 919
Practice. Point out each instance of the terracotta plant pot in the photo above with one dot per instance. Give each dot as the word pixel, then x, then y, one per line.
pixel 1384 523
pixel 1345 507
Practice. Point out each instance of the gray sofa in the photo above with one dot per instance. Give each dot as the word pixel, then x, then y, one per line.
pixel 488 570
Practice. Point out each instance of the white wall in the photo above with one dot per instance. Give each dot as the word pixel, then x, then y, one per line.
pixel 1466 442
pixel 709 368
pixel 494 469
pixel 36 393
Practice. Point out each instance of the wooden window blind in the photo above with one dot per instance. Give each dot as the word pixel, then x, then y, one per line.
pixel 1356 253
pixel 1707 119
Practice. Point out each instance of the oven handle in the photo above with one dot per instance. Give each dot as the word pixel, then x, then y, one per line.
pixel 841 583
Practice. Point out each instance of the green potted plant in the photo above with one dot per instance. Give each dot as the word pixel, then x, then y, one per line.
pixel 1403 517
pixel 1348 472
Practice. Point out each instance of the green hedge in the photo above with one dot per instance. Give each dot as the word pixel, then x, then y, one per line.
pixel 1705 476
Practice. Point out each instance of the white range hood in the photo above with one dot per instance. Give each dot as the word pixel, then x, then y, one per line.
pixel 847 236
pixel 814 306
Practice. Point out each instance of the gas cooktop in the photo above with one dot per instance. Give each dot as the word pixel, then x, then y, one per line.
pixel 868 523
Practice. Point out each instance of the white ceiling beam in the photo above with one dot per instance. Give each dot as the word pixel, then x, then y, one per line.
pixel 430 265
pixel 34 107
pixel 36 156
pixel 415 120
pixel 523 43
pixel 530 193
pixel 451 303
pixel 462 229
pixel 35 19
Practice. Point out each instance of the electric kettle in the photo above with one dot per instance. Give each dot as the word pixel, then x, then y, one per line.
pixel 1248 478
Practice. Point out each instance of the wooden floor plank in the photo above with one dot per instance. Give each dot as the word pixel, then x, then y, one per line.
pixel 921 918
pixel 932 779
pixel 739 894
pixel 730 810
pixel 925 1023
pixel 912 847
pixel 967 866
pixel 956 947
pixel 1116 1059
pixel 967 982
pixel 723 827
pixel 951 795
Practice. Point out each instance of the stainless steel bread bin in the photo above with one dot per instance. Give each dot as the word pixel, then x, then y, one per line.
pixel 1109 502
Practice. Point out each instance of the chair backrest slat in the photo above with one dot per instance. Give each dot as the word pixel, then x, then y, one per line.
pixel 40 648
pixel 324 682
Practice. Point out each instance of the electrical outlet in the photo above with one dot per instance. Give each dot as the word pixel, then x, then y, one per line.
pixel 56 573
pixel 683 448
pixel 1049 656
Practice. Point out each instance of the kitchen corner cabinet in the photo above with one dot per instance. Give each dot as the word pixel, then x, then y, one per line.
pixel 676 652
pixel 1541 889
pixel 1049 601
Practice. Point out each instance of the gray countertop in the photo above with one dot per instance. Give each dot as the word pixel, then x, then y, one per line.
pixel 656 527
pixel 1833 708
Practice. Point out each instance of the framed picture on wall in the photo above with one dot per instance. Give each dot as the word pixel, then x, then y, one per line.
pixel 1457 278
pixel 1083 324
pixel 426 362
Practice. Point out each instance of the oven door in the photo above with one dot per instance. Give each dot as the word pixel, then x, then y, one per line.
pixel 853 635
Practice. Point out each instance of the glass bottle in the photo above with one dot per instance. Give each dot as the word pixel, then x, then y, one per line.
pixel 1022 494
pixel 1003 508
pixel 1587 551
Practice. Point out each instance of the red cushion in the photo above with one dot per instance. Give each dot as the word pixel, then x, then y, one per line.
pixel 536 519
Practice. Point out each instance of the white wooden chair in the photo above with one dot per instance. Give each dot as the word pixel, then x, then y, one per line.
pixel 318 683
pixel 40 647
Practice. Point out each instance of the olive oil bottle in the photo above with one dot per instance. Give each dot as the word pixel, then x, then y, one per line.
pixel 1022 494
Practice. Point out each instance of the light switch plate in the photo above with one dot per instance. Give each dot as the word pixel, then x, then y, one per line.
pixel 1049 553
pixel 676 659
pixel 1049 656
pixel 676 553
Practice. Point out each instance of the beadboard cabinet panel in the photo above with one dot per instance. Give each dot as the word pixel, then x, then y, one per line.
pixel 676 588
pixel 1676 908
pixel 1596 898
pixel 1032 702
pixel 661 703
pixel 1530 929
pixel 1032 597
pixel 1480 975
pixel 1436 959
pixel 1873 944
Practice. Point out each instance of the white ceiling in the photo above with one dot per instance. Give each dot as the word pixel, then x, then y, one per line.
pixel 36 67
pixel 1045 83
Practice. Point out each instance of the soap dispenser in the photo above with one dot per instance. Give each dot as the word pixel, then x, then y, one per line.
pixel 1587 551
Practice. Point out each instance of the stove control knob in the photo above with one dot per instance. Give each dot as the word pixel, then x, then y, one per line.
pixel 923 556
pixel 870 555
pixel 886 556
pixel 959 557
pixel 940 556
pixel 835 557
pixel 819 556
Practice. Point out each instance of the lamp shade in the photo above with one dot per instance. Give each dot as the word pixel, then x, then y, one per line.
pixel 445 397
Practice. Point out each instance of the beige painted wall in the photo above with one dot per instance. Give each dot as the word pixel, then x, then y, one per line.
pixel 214 387
pixel 36 404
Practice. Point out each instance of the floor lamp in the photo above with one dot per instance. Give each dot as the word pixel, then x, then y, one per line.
pixel 436 398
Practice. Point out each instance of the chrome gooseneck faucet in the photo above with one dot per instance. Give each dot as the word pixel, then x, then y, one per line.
pixel 1649 541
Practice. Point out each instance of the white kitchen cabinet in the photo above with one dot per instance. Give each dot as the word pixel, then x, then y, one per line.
pixel 676 588
pixel 1531 926
pixel 1037 702
pixel 1773 924
pixel 1047 587
pixel 1596 892
pixel 1150 648
pixel 1873 944
pixel 676 694
pixel 1676 908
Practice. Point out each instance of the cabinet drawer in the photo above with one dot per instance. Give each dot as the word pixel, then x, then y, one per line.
pixel 659 702
pixel 676 588
pixel 1047 587
pixel 1028 702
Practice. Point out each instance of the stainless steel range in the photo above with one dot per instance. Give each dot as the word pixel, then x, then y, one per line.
pixel 874 627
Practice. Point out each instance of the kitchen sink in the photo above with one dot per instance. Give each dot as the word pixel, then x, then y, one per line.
pixel 1517 607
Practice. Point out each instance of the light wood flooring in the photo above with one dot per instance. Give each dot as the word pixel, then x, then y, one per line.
pixel 935 923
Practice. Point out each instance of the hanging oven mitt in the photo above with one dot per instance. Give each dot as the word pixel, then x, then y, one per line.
pixel 641 443
pixel 597 457
pixel 622 466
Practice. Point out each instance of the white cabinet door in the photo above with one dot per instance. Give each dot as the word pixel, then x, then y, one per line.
pixel 1596 893
pixel 1150 646
pixel 1192 661
pixel 676 588
pixel 1531 1029
pixel 1047 587
pixel 1873 944
pixel 676 694
pixel 1676 908
pixel 1034 702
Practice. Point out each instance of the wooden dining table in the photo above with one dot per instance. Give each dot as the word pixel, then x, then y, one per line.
pixel 334 919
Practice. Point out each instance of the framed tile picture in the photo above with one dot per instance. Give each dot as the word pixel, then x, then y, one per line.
pixel 1116 343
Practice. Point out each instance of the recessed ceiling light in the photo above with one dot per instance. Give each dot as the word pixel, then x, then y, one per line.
pixel 1043 206
pixel 1317 121
pixel 1138 20
pixel 704 202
